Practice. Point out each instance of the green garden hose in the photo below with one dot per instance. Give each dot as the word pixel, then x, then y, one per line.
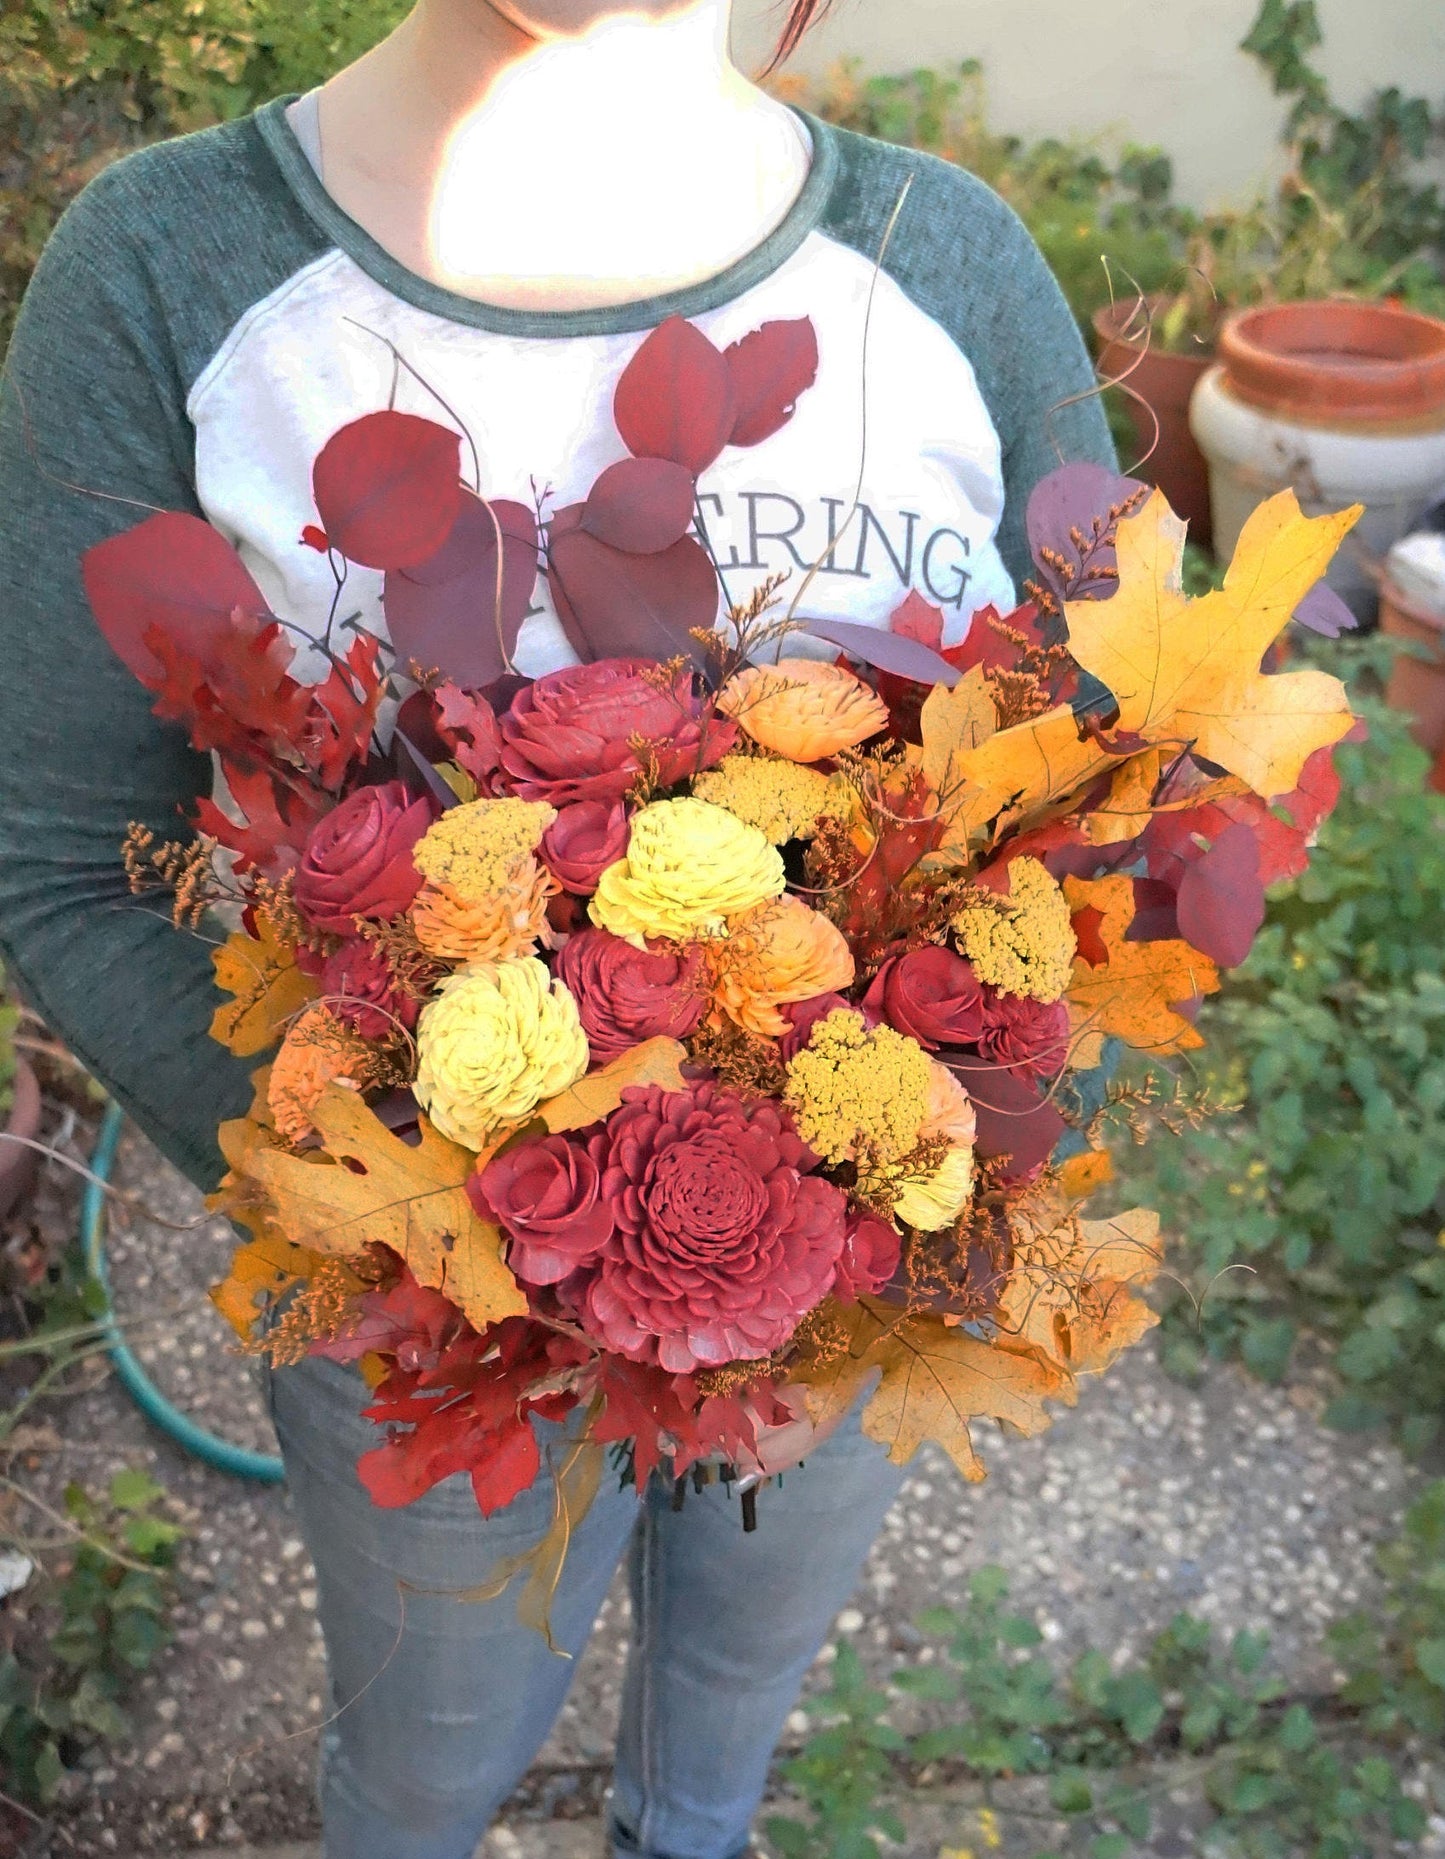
pixel 220 1453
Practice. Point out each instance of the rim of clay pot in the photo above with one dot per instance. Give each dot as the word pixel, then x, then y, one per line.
pixel 19 1165
pixel 1338 361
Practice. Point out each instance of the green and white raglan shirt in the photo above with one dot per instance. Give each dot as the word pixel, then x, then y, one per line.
pixel 206 316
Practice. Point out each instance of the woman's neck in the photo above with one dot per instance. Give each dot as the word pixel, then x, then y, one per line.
pixel 559 174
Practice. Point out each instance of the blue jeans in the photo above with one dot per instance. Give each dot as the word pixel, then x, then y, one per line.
pixel 444 1703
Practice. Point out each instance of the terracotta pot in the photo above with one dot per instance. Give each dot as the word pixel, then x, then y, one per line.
pixel 1338 363
pixel 1167 383
pixel 1417 685
pixel 19 1164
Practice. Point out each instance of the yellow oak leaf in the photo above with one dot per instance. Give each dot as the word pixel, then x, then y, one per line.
pixel 932 1380
pixel 955 721
pixel 655 1061
pixel 1187 672
pixel 1128 807
pixel 268 989
pixel 260 1272
pixel 1073 1288
pixel 1135 993
pixel 1013 778
pixel 373 1186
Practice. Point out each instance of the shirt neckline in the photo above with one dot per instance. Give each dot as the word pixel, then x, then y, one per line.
pixel 640 313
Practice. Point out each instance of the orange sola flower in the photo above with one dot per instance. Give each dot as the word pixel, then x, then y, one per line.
pixel 318 1051
pixel 803 709
pixel 493 927
pixel 779 953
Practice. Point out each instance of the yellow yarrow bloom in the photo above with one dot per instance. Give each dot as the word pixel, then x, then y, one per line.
pixel 1024 943
pixel 689 867
pixel 475 850
pixel 783 800
pixel 495 1042
pixel 853 1089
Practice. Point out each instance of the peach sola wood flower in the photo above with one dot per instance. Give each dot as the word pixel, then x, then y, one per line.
pixel 803 709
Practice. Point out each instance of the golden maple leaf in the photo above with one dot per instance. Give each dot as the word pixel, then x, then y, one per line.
pixel 655 1061
pixel 268 987
pixel 933 1380
pixel 375 1187
pixel 1072 1291
pixel 1187 672
pixel 261 1271
pixel 1134 994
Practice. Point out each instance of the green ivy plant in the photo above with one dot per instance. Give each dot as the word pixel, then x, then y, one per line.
pixel 86 1635
pixel 1272 1776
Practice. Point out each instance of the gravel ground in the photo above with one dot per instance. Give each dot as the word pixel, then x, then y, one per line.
pixel 1228 1500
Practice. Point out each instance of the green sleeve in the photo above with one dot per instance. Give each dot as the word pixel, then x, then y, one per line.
pixel 92 424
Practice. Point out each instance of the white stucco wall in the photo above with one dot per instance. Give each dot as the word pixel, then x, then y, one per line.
pixel 1165 71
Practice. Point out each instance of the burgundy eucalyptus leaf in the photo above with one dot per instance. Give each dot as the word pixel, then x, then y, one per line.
pixel 640 505
pixel 676 398
pixel 1221 898
pixel 905 657
pixel 1077 498
pixel 388 488
pixel 442 613
pixel 1156 909
pixel 420 778
pixel 172 572
pixel 772 369
pixel 1015 1117
pixel 615 605
pixel 1323 611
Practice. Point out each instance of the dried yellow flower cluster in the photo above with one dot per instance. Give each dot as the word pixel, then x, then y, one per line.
pixel 783 800
pixel 476 850
pixel 852 1089
pixel 1024 943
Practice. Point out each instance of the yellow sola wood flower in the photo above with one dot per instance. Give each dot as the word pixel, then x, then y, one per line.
pixel 689 866
pixel 1024 943
pixel 494 1043
pixel 851 1089
pixel 934 1201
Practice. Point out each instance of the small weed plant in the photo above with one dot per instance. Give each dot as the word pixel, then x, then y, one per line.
pixel 1267 1775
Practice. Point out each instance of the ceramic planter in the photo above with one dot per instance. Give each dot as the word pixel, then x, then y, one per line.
pixel 1345 402
pixel 1167 382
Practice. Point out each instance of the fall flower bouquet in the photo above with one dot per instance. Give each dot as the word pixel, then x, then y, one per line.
pixel 690 1040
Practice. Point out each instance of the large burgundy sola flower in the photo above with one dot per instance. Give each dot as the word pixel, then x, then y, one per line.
pixel 570 736
pixel 357 861
pixel 723 1240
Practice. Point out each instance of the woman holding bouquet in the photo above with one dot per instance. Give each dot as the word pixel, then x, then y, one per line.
pixel 487 213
